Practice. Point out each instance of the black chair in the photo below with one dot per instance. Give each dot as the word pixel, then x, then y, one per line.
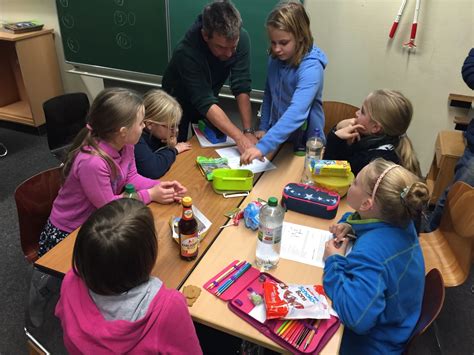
pixel 65 116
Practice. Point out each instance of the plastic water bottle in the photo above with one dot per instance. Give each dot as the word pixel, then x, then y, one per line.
pixel 130 192
pixel 269 234
pixel 314 151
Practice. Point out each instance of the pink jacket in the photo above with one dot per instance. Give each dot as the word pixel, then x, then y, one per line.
pixel 165 329
pixel 90 186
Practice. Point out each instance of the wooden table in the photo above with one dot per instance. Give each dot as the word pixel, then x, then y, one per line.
pixel 239 243
pixel 169 267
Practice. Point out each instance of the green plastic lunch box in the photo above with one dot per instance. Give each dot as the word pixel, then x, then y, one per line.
pixel 232 180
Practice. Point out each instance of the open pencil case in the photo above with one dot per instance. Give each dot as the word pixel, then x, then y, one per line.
pixel 239 302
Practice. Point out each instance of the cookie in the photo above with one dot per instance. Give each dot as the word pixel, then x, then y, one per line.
pixel 191 291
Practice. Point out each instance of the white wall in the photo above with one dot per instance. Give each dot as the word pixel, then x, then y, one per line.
pixel 45 12
pixel 354 35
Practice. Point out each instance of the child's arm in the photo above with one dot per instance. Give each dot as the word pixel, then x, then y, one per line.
pixel 151 164
pixel 356 286
pixel 310 78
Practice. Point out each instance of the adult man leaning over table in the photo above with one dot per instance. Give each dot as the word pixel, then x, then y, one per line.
pixel 215 48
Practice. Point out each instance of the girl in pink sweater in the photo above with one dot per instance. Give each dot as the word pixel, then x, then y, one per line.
pixel 109 303
pixel 100 163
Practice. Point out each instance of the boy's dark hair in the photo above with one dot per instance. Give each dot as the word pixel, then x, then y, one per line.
pixel 116 248
pixel 221 17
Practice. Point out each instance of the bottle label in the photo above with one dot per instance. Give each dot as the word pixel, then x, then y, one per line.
pixel 188 213
pixel 189 244
pixel 270 235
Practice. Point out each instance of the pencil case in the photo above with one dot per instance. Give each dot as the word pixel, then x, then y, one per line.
pixel 339 184
pixel 310 200
pixel 213 134
pixel 240 303
pixel 330 167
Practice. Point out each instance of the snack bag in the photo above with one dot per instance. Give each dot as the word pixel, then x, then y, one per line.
pixel 295 301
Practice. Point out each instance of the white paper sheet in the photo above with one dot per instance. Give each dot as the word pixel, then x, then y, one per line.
pixel 233 156
pixel 304 244
pixel 204 142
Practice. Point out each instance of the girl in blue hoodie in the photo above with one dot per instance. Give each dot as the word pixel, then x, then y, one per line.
pixel 377 289
pixel 294 86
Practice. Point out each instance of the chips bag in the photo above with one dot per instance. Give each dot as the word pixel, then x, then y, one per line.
pixel 295 301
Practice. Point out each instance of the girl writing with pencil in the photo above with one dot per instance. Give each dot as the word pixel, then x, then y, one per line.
pixel 112 305
pixel 294 86
pixel 157 149
pixel 377 289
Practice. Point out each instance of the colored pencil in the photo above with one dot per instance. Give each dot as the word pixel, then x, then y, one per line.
pixel 282 325
pixel 297 332
pixel 284 328
pixel 225 274
pixel 289 331
pixel 312 333
pixel 230 281
pixel 301 337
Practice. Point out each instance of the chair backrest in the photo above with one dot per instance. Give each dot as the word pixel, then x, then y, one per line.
pixel 34 199
pixel 433 299
pixel 335 111
pixel 65 116
pixel 458 213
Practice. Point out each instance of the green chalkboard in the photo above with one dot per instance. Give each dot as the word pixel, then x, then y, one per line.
pixel 254 13
pixel 120 34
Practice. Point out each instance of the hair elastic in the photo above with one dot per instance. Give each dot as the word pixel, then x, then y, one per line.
pixel 89 127
pixel 404 192
pixel 379 180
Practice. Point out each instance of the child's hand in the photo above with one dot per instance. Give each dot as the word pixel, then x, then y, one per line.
pixel 179 190
pixel 340 230
pixel 260 134
pixel 183 146
pixel 335 247
pixel 250 154
pixel 350 133
pixel 345 123
pixel 167 192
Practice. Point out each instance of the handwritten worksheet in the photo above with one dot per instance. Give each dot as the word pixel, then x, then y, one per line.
pixel 233 157
pixel 304 244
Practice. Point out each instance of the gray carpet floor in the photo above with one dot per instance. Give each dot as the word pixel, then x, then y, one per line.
pixel 28 154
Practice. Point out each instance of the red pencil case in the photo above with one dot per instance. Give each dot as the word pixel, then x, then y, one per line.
pixel 251 282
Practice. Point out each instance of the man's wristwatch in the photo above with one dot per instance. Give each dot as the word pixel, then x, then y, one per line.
pixel 248 130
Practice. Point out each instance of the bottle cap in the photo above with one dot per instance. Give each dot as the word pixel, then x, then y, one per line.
pixel 187 201
pixel 130 188
pixel 273 201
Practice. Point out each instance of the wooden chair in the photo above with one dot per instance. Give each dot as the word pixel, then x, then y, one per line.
pixel 433 299
pixel 335 111
pixel 34 198
pixel 450 247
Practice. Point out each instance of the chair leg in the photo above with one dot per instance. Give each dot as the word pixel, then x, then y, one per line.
pixel 436 333
pixel 34 346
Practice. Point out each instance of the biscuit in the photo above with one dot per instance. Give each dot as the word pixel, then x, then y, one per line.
pixel 191 291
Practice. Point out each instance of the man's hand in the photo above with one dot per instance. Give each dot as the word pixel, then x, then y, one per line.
pixel 250 154
pixel 252 138
pixel 243 143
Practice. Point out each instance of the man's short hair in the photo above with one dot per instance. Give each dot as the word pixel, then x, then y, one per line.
pixel 222 17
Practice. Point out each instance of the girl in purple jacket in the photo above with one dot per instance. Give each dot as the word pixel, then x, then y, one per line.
pixel 100 163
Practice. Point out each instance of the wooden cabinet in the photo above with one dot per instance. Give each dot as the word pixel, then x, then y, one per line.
pixel 449 147
pixel 29 75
